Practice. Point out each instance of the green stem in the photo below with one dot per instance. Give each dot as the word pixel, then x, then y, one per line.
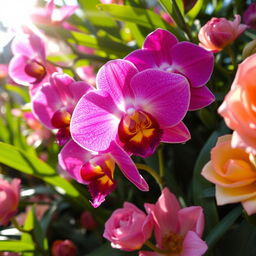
pixel 152 172
pixel 161 160
pixel 21 229
pixel 232 56
pixel 182 22
pixel 156 249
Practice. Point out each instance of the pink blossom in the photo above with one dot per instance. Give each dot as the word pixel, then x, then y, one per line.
pixel 131 110
pixel 96 171
pixel 220 32
pixel 177 230
pixel 28 66
pixel 63 248
pixel 111 1
pixel 50 15
pixel 9 199
pixel 128 228
pixel 161 50
pixel 249 16
pixel 86 73
pixel 88 221
pixel 54 103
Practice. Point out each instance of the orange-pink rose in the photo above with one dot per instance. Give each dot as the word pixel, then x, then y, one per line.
pixel 220 32
pixel 234 173
pixel 239 106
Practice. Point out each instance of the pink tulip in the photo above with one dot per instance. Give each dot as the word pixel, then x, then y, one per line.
pixel 55 101
pixel 87 221
pixel 128 228
pixel 177 230
pixel 9 199
pixel 220 32
pixel 63 248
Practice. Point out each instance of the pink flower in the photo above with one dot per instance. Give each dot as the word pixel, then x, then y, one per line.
pixel 9 199
pixel 220 32
pixel 128 228
pixel 165 16
pixel 96 171
pixel 162 51
pixel 63 248
pixel 9 254
pixel 88 221
pixel 177 230
pixel 28 66
pixel 111 1
pixel 86 73
pixel 131 110
pixel 238 107
pixel 249 16
pixel 55 101
pixel 50 15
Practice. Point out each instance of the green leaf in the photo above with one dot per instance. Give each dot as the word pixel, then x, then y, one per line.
pixel 26 163
pixel 167 5
pixel 102 43
pixel 19 90
pixel 218 231
pixel 106 249
pixel 192 14
pixel 143 17
pixel 15 246
pixel 199 184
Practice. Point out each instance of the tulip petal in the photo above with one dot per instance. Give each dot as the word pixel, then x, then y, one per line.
pixel 250 205
pixel 95 120
pixel 176 134
pixel 127 166
pixel 200 97
pixel 193 245
pixel 191 218
pixel 194 62
pixel 114 77
pixel 159 92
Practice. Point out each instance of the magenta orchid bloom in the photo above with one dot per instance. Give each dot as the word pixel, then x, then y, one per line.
pixel 131 110
pixel 55 101
pixel 161 50
pixel 50 15
pixel 177 231
pixel 28 66
pixel 95 170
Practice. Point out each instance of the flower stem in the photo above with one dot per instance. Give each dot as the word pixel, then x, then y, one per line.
pixel 232 56
pixel 161 161
pixel 181 20
pixel 156 249
pixel 21 229
pixel 152 172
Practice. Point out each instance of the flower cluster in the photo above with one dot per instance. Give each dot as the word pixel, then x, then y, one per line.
pixel 177 230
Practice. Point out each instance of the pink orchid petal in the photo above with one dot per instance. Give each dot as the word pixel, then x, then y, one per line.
pixel 127 166
pixel 115 77
pixel 44 104
pixel 159 92
pixel 95 120
pixel 191 218
pixel 59 15
pixel 17 71
pixel 142 59
pixel 72 158
pixel 193 245
pixel 20 45
pixel 176 134
pixel 160 39
pixel 194 62
pixel 200 97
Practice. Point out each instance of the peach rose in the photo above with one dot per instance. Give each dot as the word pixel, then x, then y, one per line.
pixel 239 106
pixel 220 32
pixel 234 173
